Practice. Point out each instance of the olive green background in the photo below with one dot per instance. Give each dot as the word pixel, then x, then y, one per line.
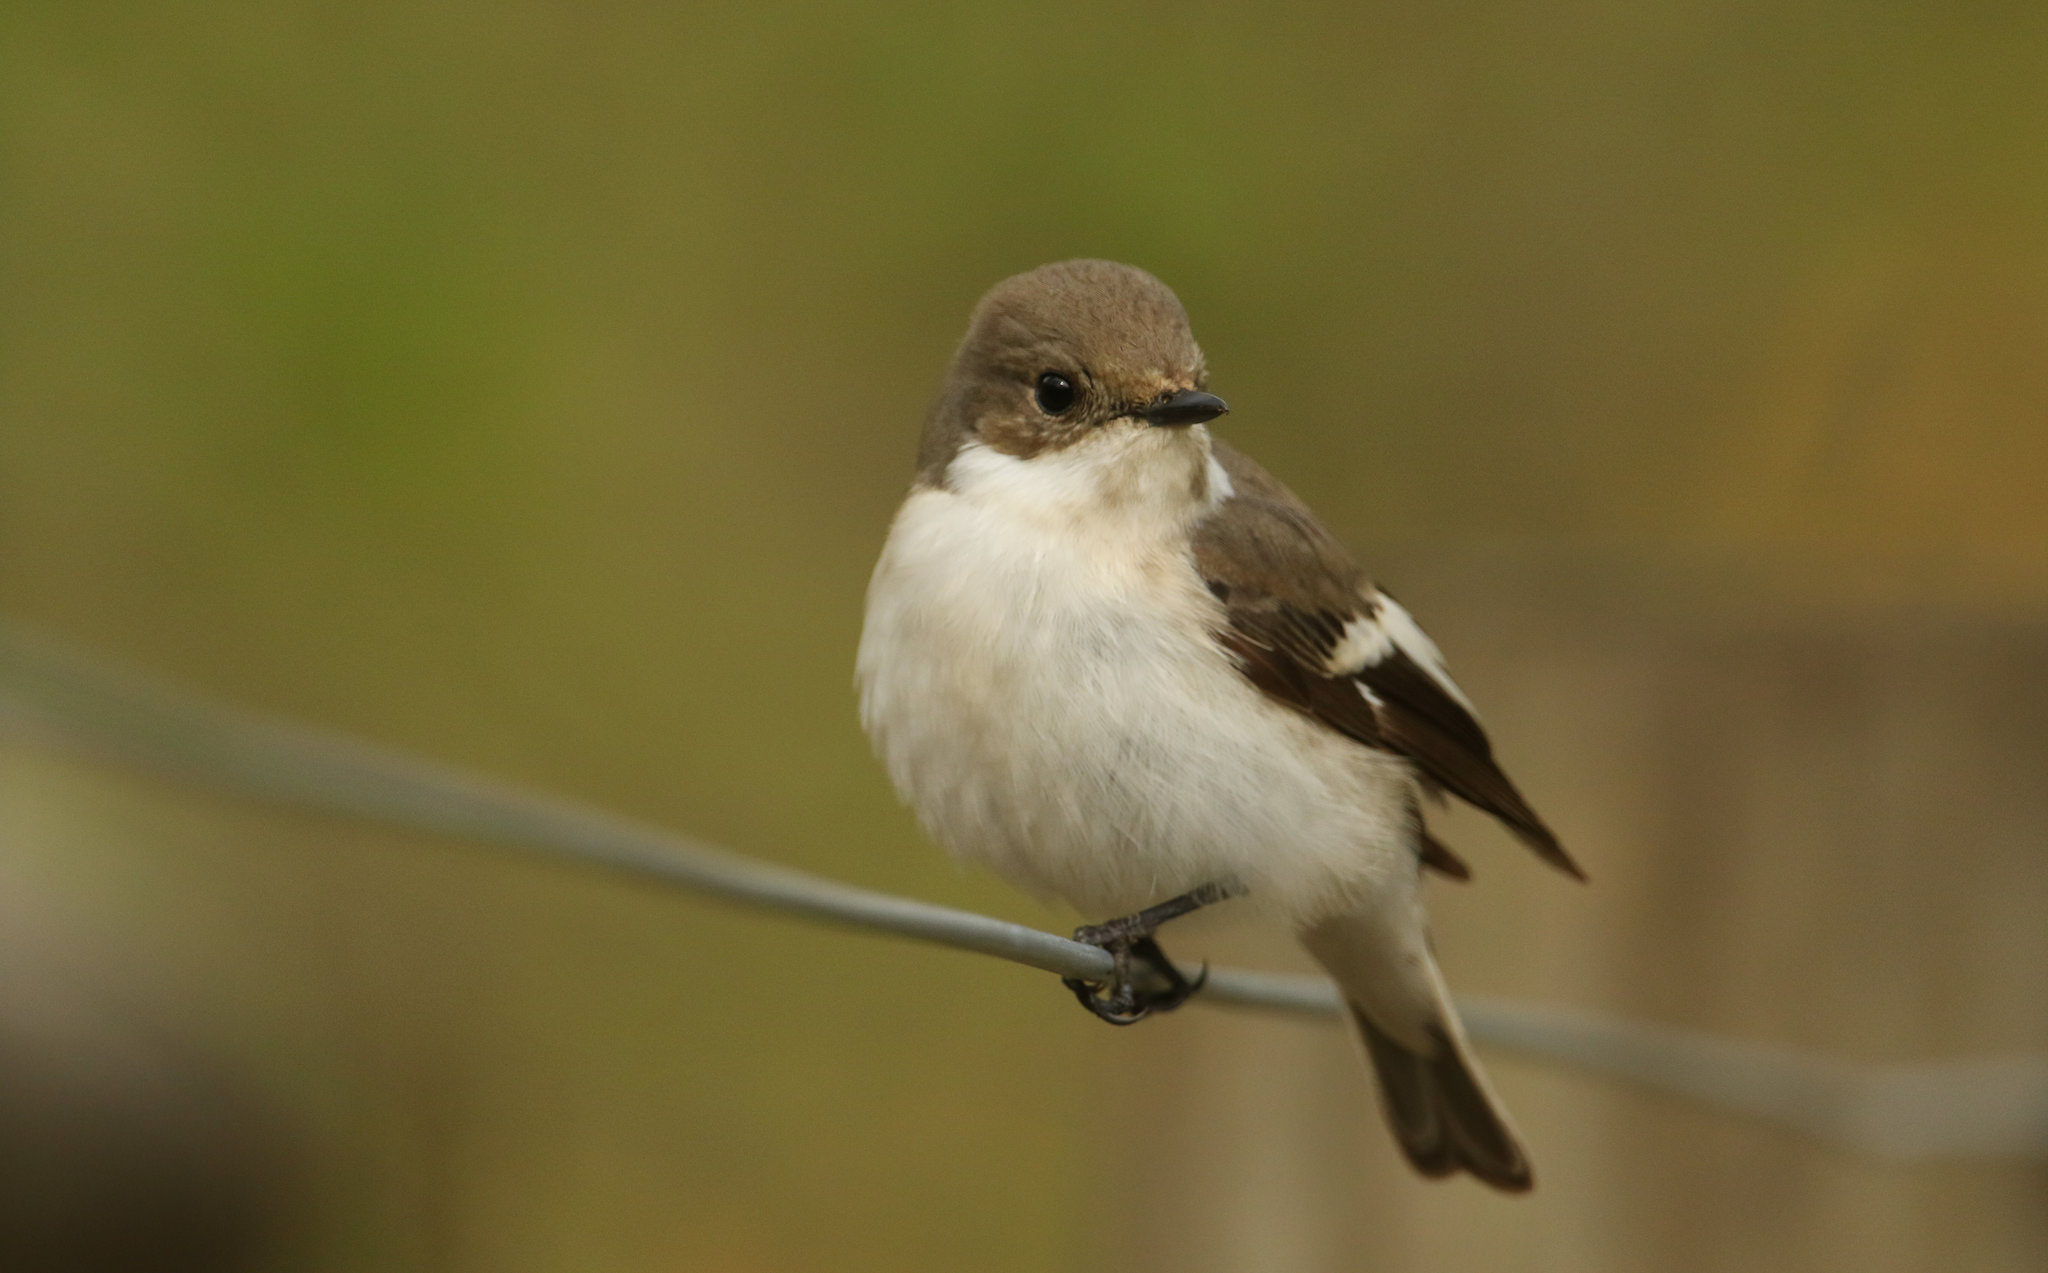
pixel 530 385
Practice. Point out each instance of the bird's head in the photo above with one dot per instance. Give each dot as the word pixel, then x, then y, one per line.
pixel 1079 355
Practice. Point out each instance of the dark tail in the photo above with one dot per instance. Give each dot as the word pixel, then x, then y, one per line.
pixel 1441 1112
pixel 1436 1098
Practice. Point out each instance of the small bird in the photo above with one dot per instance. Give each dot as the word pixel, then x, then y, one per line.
pixel 1118 663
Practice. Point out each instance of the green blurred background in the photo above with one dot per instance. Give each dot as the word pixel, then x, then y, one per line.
pixel 530 385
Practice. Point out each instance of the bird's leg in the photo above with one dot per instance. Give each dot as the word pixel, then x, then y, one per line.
pixel 1158 986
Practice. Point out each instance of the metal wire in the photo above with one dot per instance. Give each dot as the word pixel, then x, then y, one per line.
pixel 54 697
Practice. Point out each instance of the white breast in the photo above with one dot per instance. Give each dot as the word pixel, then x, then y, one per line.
pixel 1039 676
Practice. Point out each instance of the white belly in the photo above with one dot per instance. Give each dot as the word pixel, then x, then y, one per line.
pixel 1051 704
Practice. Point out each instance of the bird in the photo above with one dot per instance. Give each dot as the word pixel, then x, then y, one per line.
pixel 1115 661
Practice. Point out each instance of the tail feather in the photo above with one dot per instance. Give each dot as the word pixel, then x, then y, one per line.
pixel 1441 1112
pixel 1436 1098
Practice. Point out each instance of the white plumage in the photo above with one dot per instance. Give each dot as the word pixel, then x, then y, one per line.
pixel 1041 677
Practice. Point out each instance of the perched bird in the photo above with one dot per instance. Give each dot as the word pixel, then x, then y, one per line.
pixel 1118 663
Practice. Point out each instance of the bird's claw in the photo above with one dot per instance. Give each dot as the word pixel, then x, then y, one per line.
pixel 1132 994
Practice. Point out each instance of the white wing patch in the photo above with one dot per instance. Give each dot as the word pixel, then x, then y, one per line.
pixel 1383 629
pixel 1366 641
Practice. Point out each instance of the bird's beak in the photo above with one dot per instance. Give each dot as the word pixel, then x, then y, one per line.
pixel 1189 406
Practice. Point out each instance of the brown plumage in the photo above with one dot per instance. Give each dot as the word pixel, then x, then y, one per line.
pixel 1291 593
pixel 1290 590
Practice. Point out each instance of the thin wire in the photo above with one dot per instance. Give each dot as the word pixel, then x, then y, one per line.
pixel 54 697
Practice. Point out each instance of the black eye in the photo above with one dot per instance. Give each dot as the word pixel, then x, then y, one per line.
pixel 1055 393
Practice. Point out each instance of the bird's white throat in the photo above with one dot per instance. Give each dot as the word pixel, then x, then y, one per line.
pixel 1131 478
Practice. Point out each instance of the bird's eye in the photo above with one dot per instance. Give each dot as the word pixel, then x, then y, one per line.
pixel 1055 393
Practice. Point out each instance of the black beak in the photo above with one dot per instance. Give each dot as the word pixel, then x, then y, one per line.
pixel 1189 406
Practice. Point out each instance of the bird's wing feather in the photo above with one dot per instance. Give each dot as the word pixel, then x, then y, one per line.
pixel 1311 631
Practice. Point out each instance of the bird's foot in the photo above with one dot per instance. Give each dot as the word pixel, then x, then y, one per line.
pixel 1143 980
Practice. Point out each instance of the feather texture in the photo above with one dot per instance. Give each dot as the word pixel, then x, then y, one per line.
pixel 1311 631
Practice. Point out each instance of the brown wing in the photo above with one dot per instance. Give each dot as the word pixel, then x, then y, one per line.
pixel 1311 631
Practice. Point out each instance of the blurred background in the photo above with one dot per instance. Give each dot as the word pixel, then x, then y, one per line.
pixel 530 384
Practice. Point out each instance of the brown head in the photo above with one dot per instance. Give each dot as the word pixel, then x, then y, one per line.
pixel 1058 354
